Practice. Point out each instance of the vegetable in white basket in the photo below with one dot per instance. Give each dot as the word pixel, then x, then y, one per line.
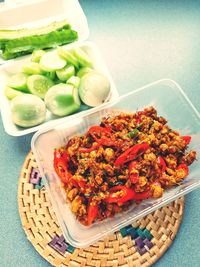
pixel 60 77
pixel 36 55
pixel 65 73
pixel 82 57
pixel 31 68
pixel 68 56
pixel 51 61
pixel 39 85
pixel 19 82
pixel 27 110
pixel 94 89
pixel 83 71
pixel 75 81
pixel 62 99
pixel 11 93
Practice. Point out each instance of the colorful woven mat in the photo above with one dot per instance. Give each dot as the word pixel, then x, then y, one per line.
pixel 139 244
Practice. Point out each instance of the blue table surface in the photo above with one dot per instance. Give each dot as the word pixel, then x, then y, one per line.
pixel 141 41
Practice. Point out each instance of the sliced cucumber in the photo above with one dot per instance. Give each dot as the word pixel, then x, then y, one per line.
pixel 51 75
pixel 83 71
pixel 39 85
pixel 82 57
pixel 36 55
pixel 31 68
pixel 74 80
pixel 11 93
pixel 65 73
pixel 68 56
pixel 28 110
pixel 51 61
pixel 19 82
pixel 62 99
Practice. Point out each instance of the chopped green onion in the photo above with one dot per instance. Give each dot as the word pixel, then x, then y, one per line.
pixel 139 125
pixel 132 133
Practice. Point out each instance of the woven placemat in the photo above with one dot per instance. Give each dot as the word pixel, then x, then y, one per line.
pixel 139 244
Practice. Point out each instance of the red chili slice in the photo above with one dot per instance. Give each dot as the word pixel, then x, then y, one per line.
pixel 187 139
pixel 125 194
pixel 183 167
pixel 132 153
pixel 102 135
pixel 61 165
pixel 133 176
pixel 162 163
pixel 89 149
pixel 78 182
pixel 101 131
pixel 92 212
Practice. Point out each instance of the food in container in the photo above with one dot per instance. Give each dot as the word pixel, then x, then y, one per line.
pixel 127 158
pixel 169 100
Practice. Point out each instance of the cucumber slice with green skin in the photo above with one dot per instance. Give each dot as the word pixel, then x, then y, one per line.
pixel 62 99
pixel 51 62
pixel 83 71
pixel 11 93
pixel 51 75
pixel 74 80
pixel 36 55
pixel 27 110
pixel 82 57
pixel 32 68
pixel 68 56
pixel 39 85
pixel 65 73
pixel 19 82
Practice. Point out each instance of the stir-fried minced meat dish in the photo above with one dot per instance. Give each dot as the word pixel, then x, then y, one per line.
pixel 128 157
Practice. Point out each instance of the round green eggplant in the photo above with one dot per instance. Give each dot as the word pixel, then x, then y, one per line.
pixel 27 110
pixel 62 99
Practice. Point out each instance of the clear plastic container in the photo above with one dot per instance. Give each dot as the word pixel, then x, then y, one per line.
pixel 171 102
pixel 50 10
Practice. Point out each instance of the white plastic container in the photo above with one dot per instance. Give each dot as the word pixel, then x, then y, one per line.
pixel 171 103
pixel 49 11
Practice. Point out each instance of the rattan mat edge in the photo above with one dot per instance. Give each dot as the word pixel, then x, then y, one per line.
pixel 119 249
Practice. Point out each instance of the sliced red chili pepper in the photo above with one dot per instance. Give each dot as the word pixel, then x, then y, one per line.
pixel 100 131
pixel 61 154
pixel 61 166
pixel 89 149
pixel 132 153
pixel 187 139
pixel 122 194
pixel 133 176
pixel 138 120
pixel 92 212
pixel 78 181
pixel 104 135
pixel 162 163
pixel 183 167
